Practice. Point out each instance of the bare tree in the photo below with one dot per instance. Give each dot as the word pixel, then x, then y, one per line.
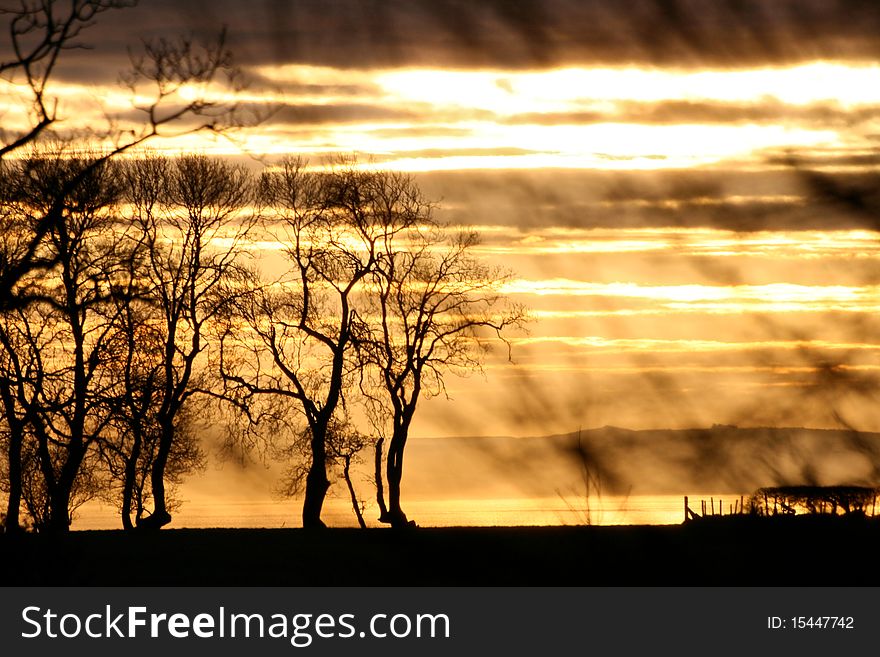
pixel 127 302
pixel 41 31
pixel 332 225
pixel 16 368
pixel 195 215
pixel 344 445
pixel 61 328
pixel 137 369
pixel 377 296
pixel 439 310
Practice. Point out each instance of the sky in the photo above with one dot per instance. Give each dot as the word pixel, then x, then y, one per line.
pixel 685 192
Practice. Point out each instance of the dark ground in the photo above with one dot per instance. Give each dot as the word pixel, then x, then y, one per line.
pixel 722 551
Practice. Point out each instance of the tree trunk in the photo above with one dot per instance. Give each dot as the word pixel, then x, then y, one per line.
pixel 13 507
pixel 160 516
pixel 129 483
pixel 396 517
pixel 12 522
pixel 62 490
pixel 59 510
pixel 346 473
pixel 138 508
pixel 317 483
pixel 380 489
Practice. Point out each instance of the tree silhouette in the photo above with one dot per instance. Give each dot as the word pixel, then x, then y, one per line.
pixel 343 448
pixel 137 367
pixel 41 31
pixel 379 304
pixel 62 325
pixel 100 353
pixel 439 307
pixel 17 366
pixel 194 216
pixel 39 34
pixel 300 329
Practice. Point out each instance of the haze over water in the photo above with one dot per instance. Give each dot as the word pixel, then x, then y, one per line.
pixel 616 510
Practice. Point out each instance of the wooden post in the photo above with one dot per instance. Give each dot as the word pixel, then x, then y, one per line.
pixel 703 503
pixel 712 500
pixel 685 508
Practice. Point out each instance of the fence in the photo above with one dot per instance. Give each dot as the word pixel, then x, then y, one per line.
pixel 792 500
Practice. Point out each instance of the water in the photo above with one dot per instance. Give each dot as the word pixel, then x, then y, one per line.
pixel 610 510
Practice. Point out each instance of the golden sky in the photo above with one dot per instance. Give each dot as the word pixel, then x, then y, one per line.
pixel 683 193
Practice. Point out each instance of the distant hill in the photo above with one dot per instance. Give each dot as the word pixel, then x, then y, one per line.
pixel 721 459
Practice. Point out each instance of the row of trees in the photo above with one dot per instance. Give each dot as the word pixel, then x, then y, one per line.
pixel 127 301
pixel 378 303
pixel 100 341
pixel 63 309
pixel 144 311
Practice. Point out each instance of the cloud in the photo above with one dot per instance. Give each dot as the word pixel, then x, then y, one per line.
pixel 838 158
pixel 768 110
pixel 299 88
pixel 546 33
pixel 427 130
pixel 305 114
pixel 298 114
pixel 777 198
pixel 430 153
pixel 529 34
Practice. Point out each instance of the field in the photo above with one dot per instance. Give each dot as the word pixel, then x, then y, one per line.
pixel 719 551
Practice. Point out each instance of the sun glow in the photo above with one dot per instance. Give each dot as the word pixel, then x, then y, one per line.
pixel 693 242
pixel 550 107
pixel 601 344
pixel 508 93
pixel 431 120
pixel 772 297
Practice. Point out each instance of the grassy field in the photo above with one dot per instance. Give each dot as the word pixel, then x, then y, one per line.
pixel 729 551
